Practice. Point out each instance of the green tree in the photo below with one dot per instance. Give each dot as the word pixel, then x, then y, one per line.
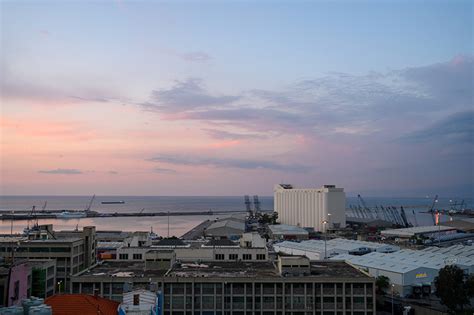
pixel 454 288
pixel 274 217
pixel 382 283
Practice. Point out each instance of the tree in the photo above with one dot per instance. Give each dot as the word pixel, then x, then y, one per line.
pixel 274 217
pixel 269 219
pixel 454 288
pixel 382 283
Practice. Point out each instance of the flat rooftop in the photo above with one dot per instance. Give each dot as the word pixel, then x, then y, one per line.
pixel 331 269
pixel 411 231
pixel 224 270
pixel 120 269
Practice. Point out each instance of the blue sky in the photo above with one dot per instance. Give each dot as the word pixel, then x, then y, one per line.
pixel 375 96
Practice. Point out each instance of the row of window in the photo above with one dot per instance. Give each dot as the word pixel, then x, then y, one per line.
pixel 236 257
pixel 135 256
pixel 37 249
pixel 251 302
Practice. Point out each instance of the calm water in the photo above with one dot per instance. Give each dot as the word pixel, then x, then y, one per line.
pixel 178 224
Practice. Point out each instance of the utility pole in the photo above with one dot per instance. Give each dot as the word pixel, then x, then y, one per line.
pixel 392 298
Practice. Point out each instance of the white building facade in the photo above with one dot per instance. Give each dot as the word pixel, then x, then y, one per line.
pixel 311 207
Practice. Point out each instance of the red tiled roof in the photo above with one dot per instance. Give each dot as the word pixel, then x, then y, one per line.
pixel 81 304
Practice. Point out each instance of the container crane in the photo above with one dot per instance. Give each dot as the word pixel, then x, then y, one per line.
pixel 256 204
pixel 248 205
pixel 404 217
pixel 364 205
pixel 414 216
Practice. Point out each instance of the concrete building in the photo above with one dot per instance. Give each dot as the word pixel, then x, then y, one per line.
pixel 43 277
pixel 69 253
pixel 311 207
pixel 15 283
pixel 287 232
pixel 409 269
pixel 241 288
pixel 252 239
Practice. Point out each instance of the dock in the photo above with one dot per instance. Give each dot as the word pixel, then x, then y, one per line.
pixel 52 214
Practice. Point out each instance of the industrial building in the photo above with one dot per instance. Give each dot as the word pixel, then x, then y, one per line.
pixel 409 270
pixel 320 208
pixel 250 248
pixel 240 288
pixel 316 249
pixel 432 231
pixel 230 228
pixel 287 232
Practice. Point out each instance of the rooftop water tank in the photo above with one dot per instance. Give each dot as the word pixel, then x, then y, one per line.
pixel 28 303
pixel 12 310
pixel 40 310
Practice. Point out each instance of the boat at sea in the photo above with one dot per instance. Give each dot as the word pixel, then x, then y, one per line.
pixel 71 215
pixel 120 202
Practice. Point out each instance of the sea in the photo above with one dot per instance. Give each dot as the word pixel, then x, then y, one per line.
pixel 178 225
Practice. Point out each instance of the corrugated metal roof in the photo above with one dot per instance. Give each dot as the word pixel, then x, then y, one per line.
pixel 415 230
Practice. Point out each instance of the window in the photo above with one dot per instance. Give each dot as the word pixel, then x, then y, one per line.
pixel 247 256
pixel 137 256
pixel 233 256
pixel 219 256
pixel 123 256
pixel 261 256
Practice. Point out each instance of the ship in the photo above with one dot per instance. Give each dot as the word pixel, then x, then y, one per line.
pixel 71 215
pixel 120 202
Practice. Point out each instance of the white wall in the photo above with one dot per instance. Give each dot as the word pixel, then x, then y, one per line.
pixel 310 207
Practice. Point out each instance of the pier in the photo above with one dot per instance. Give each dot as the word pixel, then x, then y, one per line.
pixel 52 214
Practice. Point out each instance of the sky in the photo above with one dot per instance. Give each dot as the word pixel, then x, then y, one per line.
pixel 232 97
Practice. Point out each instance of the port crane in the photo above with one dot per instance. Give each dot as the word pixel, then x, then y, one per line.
pixel 414 216
pixel 367 210
pixel 256 204
pixel 248 205
pixel 404 217
pixel 89 205
pixel 44 206
pixel 30 216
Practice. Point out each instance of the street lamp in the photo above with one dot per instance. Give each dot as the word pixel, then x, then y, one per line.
pixel 325 222
pixel 392 297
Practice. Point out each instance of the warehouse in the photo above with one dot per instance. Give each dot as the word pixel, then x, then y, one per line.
pixel 315 249
pixel 409 269
pixel 419 231
pixel 226 228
